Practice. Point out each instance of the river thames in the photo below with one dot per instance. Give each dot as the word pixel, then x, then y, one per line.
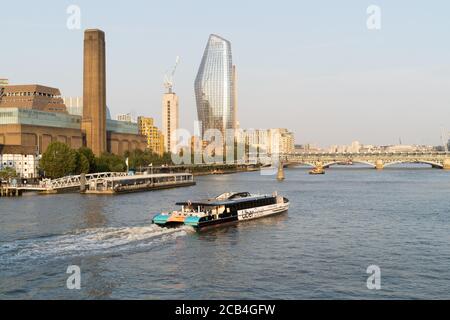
pixel 337 225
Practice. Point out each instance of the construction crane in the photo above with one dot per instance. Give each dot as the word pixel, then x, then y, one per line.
pixel 168 78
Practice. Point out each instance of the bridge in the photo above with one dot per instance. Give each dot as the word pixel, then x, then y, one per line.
pixel 378 160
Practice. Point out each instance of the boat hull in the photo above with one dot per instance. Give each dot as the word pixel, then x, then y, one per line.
pixel 243 215
pixel 167 221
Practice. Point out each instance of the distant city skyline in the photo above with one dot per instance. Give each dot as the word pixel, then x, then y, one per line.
pixel 311 67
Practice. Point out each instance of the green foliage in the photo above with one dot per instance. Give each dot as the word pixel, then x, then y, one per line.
pixel 110 162
pixel 82 163
pixel 8 173
pixel 59 160
pixel 90 158
pixel 138 159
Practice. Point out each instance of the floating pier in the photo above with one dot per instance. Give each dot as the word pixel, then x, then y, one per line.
pixel 10 192
pixel 138 183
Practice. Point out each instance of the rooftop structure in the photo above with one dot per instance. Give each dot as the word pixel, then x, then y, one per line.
pixel 35 97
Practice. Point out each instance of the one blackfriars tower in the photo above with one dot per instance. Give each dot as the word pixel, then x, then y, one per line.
pixel 215 88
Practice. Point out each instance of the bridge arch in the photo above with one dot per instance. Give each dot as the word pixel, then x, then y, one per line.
pixel 431 163
pixel 299 163
pixel 329 164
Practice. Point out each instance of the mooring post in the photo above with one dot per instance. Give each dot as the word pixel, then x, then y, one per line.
pixel 82 182
pixel 280 174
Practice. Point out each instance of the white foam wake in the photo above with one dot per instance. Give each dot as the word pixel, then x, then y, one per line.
pixel 88 242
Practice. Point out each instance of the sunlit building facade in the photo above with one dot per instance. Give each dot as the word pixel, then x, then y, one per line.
pixel 155 139
pixel 170 120
pixel 214 89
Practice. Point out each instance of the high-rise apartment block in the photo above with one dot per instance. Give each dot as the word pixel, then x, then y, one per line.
pixel 170 120
pixel 155 139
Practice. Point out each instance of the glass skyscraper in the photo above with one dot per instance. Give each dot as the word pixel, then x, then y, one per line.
pixel 214 87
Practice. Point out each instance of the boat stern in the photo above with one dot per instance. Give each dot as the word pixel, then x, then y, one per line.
pixel 160 219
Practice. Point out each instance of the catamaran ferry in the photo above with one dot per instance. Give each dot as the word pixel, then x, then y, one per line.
pixel 227 208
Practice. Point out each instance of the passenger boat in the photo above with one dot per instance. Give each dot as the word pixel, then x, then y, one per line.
pixel 317 171
pixel 229 207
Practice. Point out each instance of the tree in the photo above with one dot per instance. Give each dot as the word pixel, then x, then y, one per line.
pixel 136 159
pixel 90 157
pixel 108 162
pixel 82 163
pixel 166 159
pixel 8 173
pixel 58 160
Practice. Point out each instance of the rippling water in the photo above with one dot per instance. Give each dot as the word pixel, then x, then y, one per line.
pixel 338 225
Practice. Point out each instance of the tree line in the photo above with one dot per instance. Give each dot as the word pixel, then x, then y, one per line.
pixel 60 160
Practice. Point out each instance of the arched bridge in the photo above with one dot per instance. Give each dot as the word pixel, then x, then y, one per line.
pixel 378 160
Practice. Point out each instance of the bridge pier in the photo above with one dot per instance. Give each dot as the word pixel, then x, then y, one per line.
pixel 446 164
pixel 318 165
pixel 379 165
pixel 280 174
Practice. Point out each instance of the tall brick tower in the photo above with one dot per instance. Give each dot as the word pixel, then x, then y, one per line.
pixel 94 91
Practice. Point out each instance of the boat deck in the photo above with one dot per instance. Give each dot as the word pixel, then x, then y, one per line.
pixel 139 183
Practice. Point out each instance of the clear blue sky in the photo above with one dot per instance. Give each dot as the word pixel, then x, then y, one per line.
pixel 310 66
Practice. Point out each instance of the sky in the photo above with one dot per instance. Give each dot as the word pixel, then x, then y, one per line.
pixel 310 66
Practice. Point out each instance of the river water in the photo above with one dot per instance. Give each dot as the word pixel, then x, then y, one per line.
pixel 337 226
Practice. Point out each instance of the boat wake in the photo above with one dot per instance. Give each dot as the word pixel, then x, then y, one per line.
pixel 87 242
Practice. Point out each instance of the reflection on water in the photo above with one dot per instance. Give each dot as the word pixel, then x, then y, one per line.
pixel 338 224
pixel 94 216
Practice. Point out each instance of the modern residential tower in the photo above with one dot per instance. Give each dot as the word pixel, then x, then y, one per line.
pixel 170 117
pixel 214 87
pixel 169 120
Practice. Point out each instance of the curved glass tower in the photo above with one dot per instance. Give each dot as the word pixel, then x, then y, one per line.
pixel 214 86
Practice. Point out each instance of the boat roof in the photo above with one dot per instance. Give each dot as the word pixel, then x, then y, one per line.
pixel 217 202
pixel 146 176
